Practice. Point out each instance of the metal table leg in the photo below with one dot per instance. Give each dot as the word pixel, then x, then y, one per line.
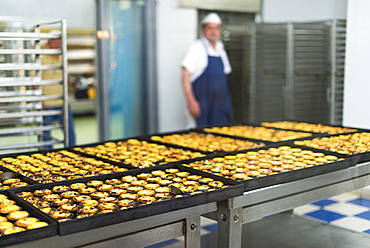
pixel 192 233
pixel 229 227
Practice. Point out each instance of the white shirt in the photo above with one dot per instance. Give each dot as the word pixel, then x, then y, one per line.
pixel 196 57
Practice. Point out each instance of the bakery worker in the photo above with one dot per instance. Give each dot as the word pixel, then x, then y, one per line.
pixel 204 69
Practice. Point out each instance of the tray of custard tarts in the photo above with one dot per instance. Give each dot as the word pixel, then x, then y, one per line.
pixel 206 142
pixel 272 165
pixel 309 127
pixel 351 144
pixel 10 179
pixel 87 203
pixel 264 134
pixel 20 223
pixel 57 165
pixel 138 152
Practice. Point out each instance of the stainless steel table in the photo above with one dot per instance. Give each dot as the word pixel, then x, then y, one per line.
pixel 254 205
pixel 136 233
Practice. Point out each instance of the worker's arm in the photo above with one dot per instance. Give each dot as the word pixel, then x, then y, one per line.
pixel 192 103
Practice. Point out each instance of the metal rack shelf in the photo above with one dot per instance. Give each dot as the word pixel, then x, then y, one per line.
pixel 21 83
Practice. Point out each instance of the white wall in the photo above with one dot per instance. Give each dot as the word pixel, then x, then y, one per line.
pixel 78 13
pixel 302 10
pixel 176 29
pixel 357 76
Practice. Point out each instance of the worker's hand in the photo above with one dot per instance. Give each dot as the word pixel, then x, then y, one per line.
pixel 194 108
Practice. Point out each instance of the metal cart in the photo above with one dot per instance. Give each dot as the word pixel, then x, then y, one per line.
pixel 21 94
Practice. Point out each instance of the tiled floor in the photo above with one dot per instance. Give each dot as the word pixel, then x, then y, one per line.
pixel 349 210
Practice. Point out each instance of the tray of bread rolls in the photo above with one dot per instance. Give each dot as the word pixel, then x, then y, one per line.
pixel 206 142
pixel 86 203
pixel 311 127
pixel 264 134
pixel 355 144
pixel 20 223
pixel 270 165
pixel 138 152
pixel 57 165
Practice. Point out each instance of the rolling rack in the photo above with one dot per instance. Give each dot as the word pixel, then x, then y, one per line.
pixel 21 93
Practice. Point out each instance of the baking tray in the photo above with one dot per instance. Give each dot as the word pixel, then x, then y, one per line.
pixel 285 177
pixel 316 123
pixel 256 126
pixel 18 175
pixel 260 142
pixel 78 225
pixel 361 157
pixel 140 138
pixel 31 181
pixel 28 235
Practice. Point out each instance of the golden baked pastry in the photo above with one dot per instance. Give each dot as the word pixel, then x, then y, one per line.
pixel 51 197
pixel 42 192
pixel 61 201
pixel 5 225
pixel 129 196
pixel 94 183
pixel 117 192
pixel 69 194
pixel 107 206
pixel 127 203
pixel 105 187
pixel 3 219
pixel 81 198
pixel 113 181
pixel 109 199
pixel 78 186
pixel 15 229
pixel 61 214
pixel 146 192
pixel 10 181
pixel 98 195
pixel 25 222
pixel 146 199
pixel 42 204
pixel 89 203
pixel 134 189
pixel 87 191
pixel 10 209
pixel 60 188
pixel 37 225
pixel 68 207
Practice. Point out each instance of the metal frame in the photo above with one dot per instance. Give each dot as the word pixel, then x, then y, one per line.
pixel 254 205
pixel 136 233
pixel 34 100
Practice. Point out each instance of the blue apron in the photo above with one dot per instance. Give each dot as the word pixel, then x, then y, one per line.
pixel 212 92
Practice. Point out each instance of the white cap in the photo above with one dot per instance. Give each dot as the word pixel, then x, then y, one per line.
pixel 211 18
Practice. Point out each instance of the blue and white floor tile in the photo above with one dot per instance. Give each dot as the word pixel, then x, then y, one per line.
pixel 349 211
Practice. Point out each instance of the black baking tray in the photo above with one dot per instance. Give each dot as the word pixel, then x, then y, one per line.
pixel 285 177
pixel 148 138
pixel 251 125
pixel 96 221
pixel 18 175
pixel 31 181
pixel 308 122
pixel 140 138
pixel 361 157
pixel 28 235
